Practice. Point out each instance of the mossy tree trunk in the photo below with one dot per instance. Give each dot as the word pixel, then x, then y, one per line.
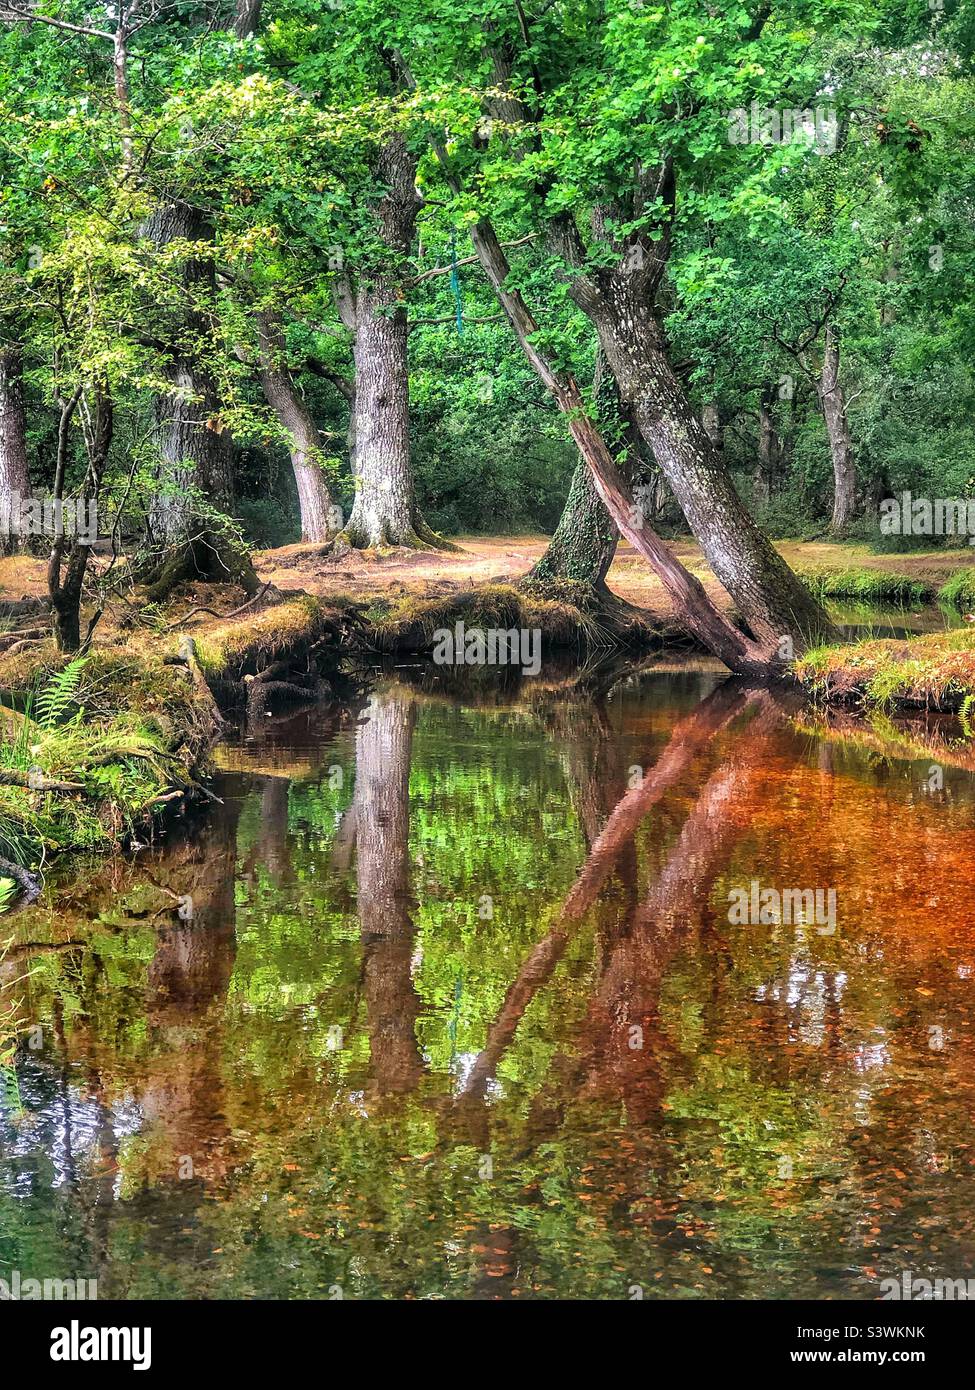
pixel 195 445
pixel 584 543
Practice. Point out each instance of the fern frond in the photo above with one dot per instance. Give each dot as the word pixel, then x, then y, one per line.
pixel 57 696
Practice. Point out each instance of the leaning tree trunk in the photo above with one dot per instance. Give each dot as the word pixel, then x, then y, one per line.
pixel 691 602
pixel 832 399
pixel 304 441
pixel 780 611
pixel 14 481
pixel 584 544
pixel 195 445
pixel 385 511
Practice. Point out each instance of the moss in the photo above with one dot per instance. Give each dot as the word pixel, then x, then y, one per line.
pixel 935 671
pixel 406 623
pixel 246 644
pixel 136 733
pixel 568 614
pixel 959 591
pixel 867 585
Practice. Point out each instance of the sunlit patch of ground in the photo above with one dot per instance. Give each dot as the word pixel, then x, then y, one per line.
pixel 492 559
pixel 499 559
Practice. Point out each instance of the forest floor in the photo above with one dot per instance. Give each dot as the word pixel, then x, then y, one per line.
pixel 506 559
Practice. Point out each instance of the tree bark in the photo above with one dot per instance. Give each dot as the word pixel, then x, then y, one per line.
pixel 384 512
pixel 769 447
pixel 711 420
pixel 584 543
pixel 248 18
pixel 304 443
pixel 832 400
pixel 14 480
pixel 194 444
pixel 585 540
pixel 692 603
pixel 65 585
pixel 779 610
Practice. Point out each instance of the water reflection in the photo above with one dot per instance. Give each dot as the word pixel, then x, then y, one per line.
pixel 444 1000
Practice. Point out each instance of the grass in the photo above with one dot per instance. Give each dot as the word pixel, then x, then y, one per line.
pixel 868 585
pixel 244 645
pixel 932 672
pixel 125 728
pixel 959 591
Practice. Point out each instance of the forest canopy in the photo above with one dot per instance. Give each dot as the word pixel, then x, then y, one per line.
pixel 381 274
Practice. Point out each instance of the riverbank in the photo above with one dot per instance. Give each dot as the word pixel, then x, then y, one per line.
pixel 95 753
pixel 935 672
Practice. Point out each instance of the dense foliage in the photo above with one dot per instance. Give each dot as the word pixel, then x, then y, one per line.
pixel 864 229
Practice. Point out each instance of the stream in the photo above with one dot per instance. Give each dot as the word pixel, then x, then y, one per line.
pixel 465 995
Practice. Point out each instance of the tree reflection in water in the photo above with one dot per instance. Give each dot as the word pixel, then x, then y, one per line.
pixel 337 1070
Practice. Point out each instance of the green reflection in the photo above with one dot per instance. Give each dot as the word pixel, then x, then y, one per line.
pixel 444 1002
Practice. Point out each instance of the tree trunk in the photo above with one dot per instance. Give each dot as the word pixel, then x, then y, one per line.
pixel 769 447
pixel 584 543
pixel 195 445
pixel 304 442
pixel 711 420
pixel 14 482
pixel 585 540
pixel 385 512
pixel 779 610
pixel 690 599
pixel 247 18
pixel 279 388
pixel 65 588
pixel 833 402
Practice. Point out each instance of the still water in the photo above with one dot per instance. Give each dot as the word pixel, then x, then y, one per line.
pixel 444 1001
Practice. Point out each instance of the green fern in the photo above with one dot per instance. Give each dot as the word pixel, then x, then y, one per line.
pixel 55 700
pixel 965 715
